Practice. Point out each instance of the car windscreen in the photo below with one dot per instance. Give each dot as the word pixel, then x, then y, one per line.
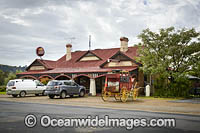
pixel 11 83
pixel 38 83
pixel 53 83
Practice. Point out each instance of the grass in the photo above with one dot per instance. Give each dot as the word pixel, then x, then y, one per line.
pixel 2 93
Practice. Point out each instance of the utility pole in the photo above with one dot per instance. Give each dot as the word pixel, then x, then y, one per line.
pixel 89 42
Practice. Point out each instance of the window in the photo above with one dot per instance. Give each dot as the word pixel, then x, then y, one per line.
pixel 53 83
pixel 124 79
pixel 114 84
pixel 38 83
pixel 11 83
pixel 73 84
pixel 67 83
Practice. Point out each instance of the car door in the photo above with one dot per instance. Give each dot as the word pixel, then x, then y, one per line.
pixel 31 87
pixel 67 87
pixel 39 87
pixel 28 86
pixel 74 88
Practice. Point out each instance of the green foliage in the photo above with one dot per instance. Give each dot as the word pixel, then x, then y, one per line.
pixel 160 86
pixel 2 88
pixel 2 77
pixel 7 68
pixel 2 93
pixel 179 88
pixel 5 77
pixel 18 71
pixel 170 53
pixel 9 77
pixel 196 70
pixel 9 72
pixel 177 50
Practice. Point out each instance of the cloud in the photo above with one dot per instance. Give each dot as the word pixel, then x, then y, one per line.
pixel 22 4
pixel 27 24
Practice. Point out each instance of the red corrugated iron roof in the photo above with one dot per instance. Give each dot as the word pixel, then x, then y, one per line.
pixel 79 70
pixel 104 54
pixel 49 63
pixel 73 65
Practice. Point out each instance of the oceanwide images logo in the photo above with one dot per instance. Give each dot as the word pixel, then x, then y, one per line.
pixel 106 122
pixel 30 121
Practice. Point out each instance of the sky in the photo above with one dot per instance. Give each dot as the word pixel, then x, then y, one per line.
pixel 51 24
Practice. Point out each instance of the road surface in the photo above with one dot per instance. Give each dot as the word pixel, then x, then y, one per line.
pixel 12 115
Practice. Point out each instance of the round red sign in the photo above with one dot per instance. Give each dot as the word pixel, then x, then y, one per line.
pixel 40 51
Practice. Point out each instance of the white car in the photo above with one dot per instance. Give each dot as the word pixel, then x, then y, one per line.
pixel 22 87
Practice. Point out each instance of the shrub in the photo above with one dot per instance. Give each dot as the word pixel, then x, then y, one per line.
pixel 160 87
pixel 2 88
pixel 180 87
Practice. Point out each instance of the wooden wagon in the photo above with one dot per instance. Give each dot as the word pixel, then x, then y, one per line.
pixel 120 86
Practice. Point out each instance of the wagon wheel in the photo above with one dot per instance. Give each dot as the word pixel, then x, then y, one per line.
pixel 135 93
pixel 124 95
pixel 117 96
pixel 105 96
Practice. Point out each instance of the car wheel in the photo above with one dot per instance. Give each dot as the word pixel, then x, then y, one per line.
pixel 62 94
pixel 36 94
pixel 51 96
pixel 14 95
pixel 22 94
pixel 43 93
pixel 82 93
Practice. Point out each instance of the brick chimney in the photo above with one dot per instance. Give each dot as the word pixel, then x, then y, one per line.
pixel 124 44
pixel 68 52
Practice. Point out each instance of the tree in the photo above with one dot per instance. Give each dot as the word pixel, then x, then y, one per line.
pixel 2 75
pixel 196 69
pixel 9 77
pixel 170 53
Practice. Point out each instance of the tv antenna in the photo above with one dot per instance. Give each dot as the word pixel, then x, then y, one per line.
pixel 71 39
